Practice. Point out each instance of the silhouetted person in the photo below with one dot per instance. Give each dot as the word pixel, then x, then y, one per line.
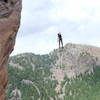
pixel 60 39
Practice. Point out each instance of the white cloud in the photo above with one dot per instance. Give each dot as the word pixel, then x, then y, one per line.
pixel 75 9
pixel 78 20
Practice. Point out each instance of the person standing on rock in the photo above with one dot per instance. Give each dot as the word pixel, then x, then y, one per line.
pixel 60 39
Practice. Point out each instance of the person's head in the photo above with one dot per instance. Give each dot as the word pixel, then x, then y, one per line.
pixel 59 33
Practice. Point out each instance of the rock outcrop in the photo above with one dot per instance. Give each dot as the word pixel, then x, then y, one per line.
pixel 10 13
pixel 75 59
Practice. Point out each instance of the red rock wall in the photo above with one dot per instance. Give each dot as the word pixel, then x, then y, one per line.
pixel 9 24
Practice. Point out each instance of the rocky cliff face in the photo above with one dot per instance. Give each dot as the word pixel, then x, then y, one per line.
pixel 9 23
pixel 74 60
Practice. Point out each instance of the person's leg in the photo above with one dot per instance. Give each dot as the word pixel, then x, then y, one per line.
pixel 62 43
pixel 59 43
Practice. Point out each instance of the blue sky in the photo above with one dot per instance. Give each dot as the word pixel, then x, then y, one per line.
pixel 78 20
